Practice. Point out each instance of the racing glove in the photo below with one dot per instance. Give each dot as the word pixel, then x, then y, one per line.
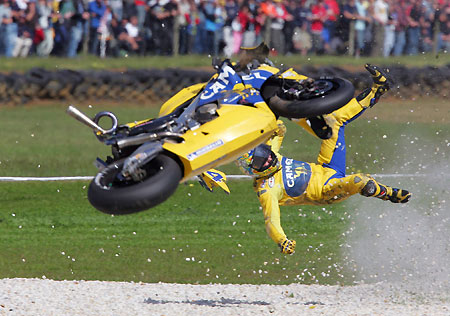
pixel 287 246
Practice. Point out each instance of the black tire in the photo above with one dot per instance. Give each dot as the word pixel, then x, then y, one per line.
pixel 112 196
pixel 336 93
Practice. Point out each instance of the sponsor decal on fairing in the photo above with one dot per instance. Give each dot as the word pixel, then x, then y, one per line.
pixel 204 150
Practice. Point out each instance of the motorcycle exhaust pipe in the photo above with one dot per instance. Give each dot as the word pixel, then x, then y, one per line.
pixel 83 118
pixel 140 139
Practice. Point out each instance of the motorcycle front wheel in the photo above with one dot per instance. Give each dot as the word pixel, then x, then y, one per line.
pixel 326 96
pixel 110 193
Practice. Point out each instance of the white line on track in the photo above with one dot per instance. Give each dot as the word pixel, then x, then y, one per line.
pixel 23 179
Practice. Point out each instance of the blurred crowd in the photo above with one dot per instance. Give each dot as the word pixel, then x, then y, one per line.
pixel 219 27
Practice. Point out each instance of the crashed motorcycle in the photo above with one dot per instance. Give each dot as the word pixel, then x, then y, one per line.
pixel 201 127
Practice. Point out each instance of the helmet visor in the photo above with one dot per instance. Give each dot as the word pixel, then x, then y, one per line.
pixel 263 158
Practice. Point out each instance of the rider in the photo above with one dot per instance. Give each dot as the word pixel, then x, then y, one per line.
pixel 283 181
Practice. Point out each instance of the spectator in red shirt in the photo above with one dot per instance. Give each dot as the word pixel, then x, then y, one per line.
pixel 276 11
pixel 318 17
pixel 329 25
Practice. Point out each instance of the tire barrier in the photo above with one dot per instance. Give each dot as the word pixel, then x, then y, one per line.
pixel 150 86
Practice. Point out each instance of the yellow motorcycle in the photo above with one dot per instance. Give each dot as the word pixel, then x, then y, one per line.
pixel 201 127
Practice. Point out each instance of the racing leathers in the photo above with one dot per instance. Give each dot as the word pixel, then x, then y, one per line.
pixel 293 182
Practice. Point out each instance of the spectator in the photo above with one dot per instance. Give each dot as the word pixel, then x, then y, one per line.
pixel 171 9
pixel 329 25
pixel 193 27
pixel 30 12
pixel 279 20
pixel 349 17
pixel 318 17
pixel 380 15
pixel 302 39
pixel 381 27
pixel 289 27
pixel 140 7
pixel 163 13
pixel 132 32
pixel 200 31
pixel 103 30
pixel 117 8
pixel 253 31
pixel 444 22
pixel 221 16
pixel 45 11
pixel 389 31
pixel 119 43
pixel 413 31
pixel 76 15
pixel 238 27
pixel 360 27
pixel 185 26
pixel 276 12
pixel 97 9
pixel 209 11
pixel 60 29
pixel 246 35
pixel 8 28
pixel 401 23
pixel 426 27
pixel 24 38
pixel 232 10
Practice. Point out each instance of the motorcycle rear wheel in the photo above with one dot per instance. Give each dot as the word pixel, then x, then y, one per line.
pixel 112 195
pixel 329 95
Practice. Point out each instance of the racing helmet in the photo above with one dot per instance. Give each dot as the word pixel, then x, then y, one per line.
pixel 260 161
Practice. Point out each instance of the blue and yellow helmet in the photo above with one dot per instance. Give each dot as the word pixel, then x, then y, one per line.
pixel 260 162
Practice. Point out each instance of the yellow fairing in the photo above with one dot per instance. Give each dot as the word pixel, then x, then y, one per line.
pixel 304 123
pixel 214 178
pixel 292 74
pixel 222 140
pixel 181 97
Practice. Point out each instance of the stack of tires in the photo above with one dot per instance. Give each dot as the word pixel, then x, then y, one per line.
pixel 152 86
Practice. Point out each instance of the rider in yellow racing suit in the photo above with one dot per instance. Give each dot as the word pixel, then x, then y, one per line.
pixel 284 181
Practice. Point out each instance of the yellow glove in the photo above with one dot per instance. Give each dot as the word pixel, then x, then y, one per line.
pixel 287 246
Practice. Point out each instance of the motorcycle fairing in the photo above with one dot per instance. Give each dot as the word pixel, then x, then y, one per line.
pixel 213 178
pixel 239 129
pixel 292 74
pixel 257 77
pixel 225 81
pixel 181 97
pixel 244 97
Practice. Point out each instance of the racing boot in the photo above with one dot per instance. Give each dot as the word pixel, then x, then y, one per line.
pixel 287 246
pixel 384 192
pixel 381 84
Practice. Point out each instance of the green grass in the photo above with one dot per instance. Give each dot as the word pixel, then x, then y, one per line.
pixel 45 141
pixel 50 228
pixel 195 237
pixel 195 61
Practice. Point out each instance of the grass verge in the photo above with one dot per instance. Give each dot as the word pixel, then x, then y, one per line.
pixel 49 229
pixel 203 61
pixel 195 237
